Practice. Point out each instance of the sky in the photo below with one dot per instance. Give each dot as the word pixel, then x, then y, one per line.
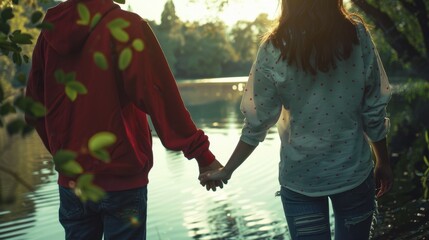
pixel 234 11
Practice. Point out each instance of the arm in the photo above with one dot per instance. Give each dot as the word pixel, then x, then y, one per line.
pixel 261 107
pixel 375 122
pixel 150 84
pixel 383 171
pixel 241 153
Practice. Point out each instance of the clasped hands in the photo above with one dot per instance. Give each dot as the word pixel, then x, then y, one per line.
pixel 213 176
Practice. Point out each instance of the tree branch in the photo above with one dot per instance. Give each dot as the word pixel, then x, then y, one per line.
pixel 422 17
pixel 393 36
pixel 418 9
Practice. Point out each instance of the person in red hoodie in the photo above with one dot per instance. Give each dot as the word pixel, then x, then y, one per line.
pixel 116 56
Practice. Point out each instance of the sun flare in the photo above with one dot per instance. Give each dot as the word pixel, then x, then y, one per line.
pixel 197 11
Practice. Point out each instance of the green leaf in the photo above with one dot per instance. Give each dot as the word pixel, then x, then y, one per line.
pixel 120 35
pixel 86 190
pixel 45 25
pixel 21 38
pixel 60 76
pixel 95 20
pixel 63 156
pixel 125 58
pixel 99 142
pixel 6 109
pixel 84 14
pixel 36 16
pixel 65 162
pixel 38 110
pixel 102 155
pixel 100 60
pixel 7 14
pixel 23 103
pixel 120 1
pixel 425 159
pixel 71 94
pixel 15 2
pixel 69 77
pixel 426 173
pixel 138 45
pixel 118 23
pixel 71 168
pixel 77 87
pixel 116 27
pixel 4 27
pixel 15 126
pixel 26 130
pixel 26 58
pixel 16 57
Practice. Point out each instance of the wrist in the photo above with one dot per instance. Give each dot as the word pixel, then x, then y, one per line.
pixel 228 171
pixel 205 159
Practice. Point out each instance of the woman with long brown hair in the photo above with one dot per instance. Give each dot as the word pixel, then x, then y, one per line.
pixel 318 76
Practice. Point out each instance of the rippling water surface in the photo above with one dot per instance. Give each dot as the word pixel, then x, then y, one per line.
pixel 179 208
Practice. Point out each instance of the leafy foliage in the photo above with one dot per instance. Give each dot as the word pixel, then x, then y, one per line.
pixel 86 190
pixel 65 162
pixel 72 87
pixel 99 142
pixel 117 27
pixel 101 61
pixel 125 58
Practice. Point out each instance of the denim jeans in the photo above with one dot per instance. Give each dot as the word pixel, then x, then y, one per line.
pixel 308 217
pixel 119 215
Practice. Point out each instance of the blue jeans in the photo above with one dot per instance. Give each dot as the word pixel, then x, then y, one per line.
pixel 308 217
pixel 119 215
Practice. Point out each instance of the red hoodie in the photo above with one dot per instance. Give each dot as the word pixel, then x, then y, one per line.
pixel 117 101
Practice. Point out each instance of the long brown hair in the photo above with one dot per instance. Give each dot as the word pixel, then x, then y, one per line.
pixel 314 34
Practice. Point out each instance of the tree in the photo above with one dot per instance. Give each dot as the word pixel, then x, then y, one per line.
pixel 169 19
pixel 169 34
pixel 405 25
pixel 205 52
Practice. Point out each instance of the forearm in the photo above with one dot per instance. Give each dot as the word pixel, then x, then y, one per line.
pixel 240 154
pixel 380 151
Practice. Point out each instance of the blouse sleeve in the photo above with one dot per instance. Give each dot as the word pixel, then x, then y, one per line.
pixel 377 91
pixel 260 104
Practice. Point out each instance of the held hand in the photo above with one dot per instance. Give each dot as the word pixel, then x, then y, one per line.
pixel 219 175
pixel 212 184
pixel 383 179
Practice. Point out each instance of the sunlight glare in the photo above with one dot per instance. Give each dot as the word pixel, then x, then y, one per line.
pixel 236 10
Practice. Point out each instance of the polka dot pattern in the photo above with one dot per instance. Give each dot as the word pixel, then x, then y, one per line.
pixel 324 121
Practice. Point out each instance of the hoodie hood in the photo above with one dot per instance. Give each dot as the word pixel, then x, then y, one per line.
pixel 68 36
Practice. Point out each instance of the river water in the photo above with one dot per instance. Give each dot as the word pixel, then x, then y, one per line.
pixel 178 207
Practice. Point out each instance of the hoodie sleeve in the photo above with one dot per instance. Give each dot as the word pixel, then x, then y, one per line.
pixel 35 90
pixel 150 84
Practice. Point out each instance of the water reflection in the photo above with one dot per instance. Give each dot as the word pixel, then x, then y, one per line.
pixel 18 205
pixel 227 216
pixel 179 208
